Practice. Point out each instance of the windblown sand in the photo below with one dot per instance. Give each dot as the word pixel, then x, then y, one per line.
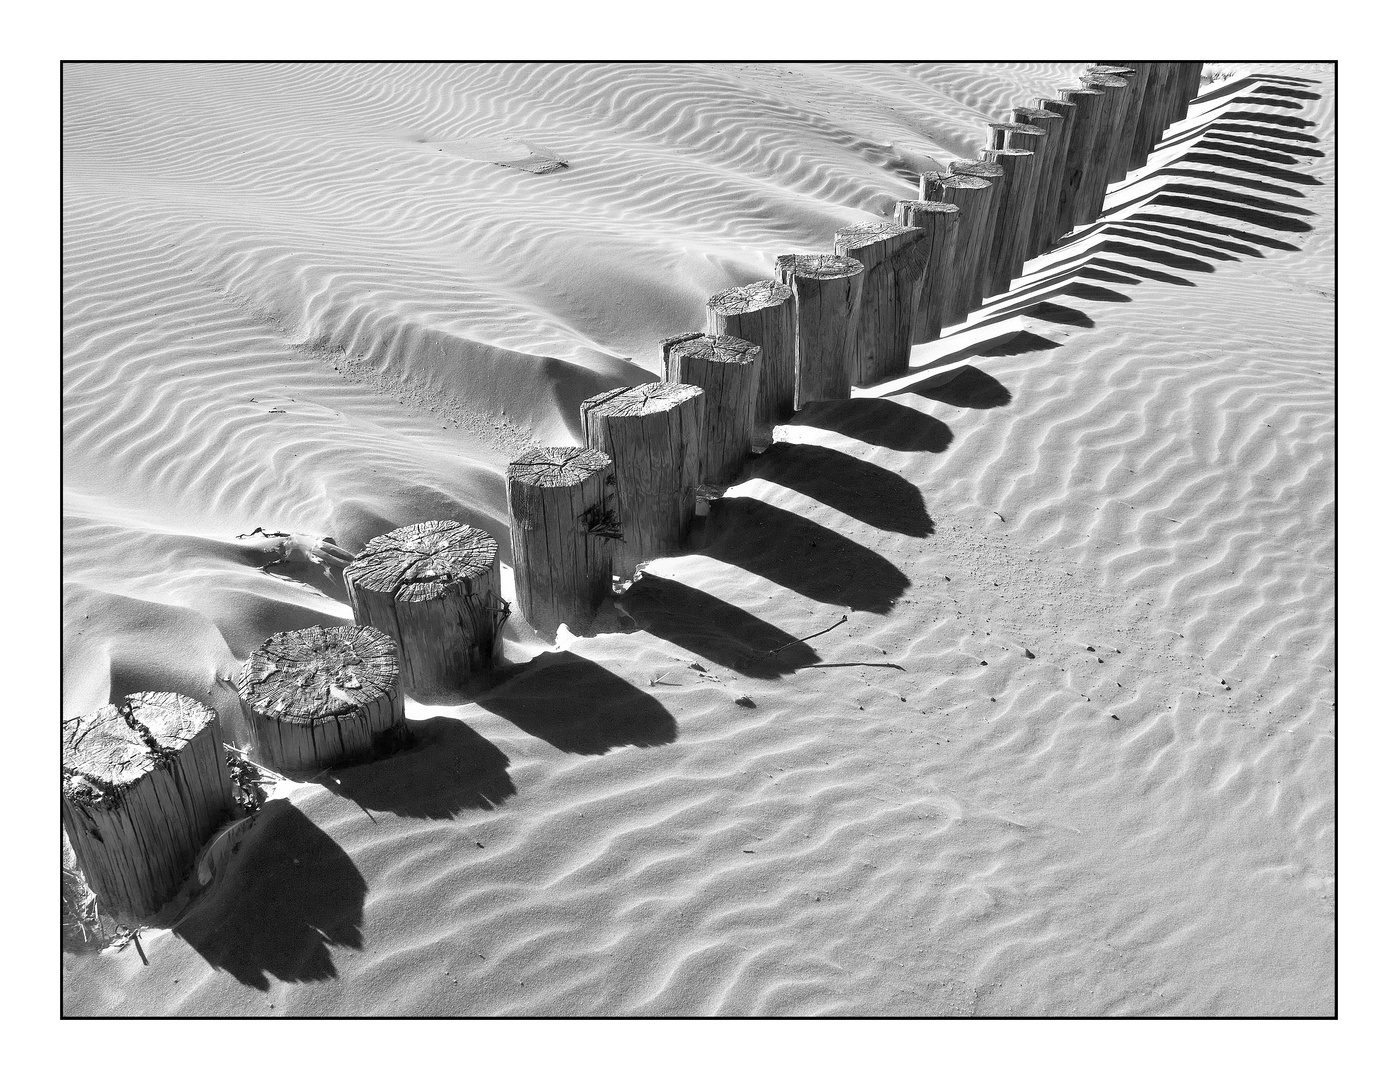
pixel 1071 752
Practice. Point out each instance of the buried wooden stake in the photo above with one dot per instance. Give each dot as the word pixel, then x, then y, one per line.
pixel 563 523
pixel 1048 162
pixel 1020 136
pixel 894 258
pixel 145 785
pixel 1017 218
pixel 971 195
pixel 828 291
pixel 765 314
pixel 726 369
pixel 1054 194
pixel 323 696
pixel 434 587
pixel 940 222
pixel 652 434
pixel 1075 197
pixel 1124 131
pixel 991 171
pixel 1108 131
pixel 1143 141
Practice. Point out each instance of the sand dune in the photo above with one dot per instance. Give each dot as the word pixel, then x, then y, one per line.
pixel 1069 752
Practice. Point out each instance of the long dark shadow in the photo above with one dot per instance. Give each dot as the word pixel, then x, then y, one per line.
pixel 1236 213
pixel 1267 130
pixel 1213 176
pixel 580 707
pixel 718 631
pixel 281 906
pixel 802 556
pixel 447 768
pixel 865 491
pixel 1286 91
pixel 879 422
pixel 1211 243
pixel 1048 311
pixel 1145 272
pixel 1276 119
pixel 1155 255
pixel 1083 291
pixel 1218 230
pixel 976 389
pixel 1225 195
pixel 1269 100
pixel 1252 139
pixel 1106 275
pixel 1272 172
pixel 1238 149
pixel 1142 232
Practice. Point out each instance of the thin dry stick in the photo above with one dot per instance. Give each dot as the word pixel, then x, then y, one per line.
pixel 842 619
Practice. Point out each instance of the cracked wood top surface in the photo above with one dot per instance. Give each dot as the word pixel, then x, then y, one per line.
pixel 313 675
pixel 423 561
pixel 115 746
pixel 557 466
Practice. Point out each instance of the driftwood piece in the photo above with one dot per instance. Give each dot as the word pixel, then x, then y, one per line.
pixel 1055 192
pixel 726 368
pixel 1016 220
pixel 828 291
pixel 145 785
pixel 971 195
pixel 323 696
pixel 652 434
pixel 765 314
pixel 434 587
pixel 1109 131
pixel 1074 197
pixel 894 258
pixel 991 171
pixel 939 221
pixel 1048 165
pixel 563 523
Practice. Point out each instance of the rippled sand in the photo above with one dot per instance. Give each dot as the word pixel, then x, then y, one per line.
pixel 1100 779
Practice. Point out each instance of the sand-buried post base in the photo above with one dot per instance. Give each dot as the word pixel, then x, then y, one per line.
pixel 434 587
pixel 828 291
pixel 726 368
pixel 939 221
pixel 894 257
pixel 322 696
pixel 972 195
pixel 145 784
pixel 764 313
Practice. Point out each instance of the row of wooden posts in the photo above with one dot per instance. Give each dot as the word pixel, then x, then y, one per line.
pixel 146 784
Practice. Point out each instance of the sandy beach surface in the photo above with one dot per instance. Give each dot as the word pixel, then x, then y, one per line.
pixel 1068 745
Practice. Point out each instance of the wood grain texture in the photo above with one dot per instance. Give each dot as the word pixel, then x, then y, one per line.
pixel 434 587
pixel 1048 165
pixel 1124 131
pixel 1021 136
pixel 1109 132
pixel 145 785
pixel 563 524
pixel 894 258
pixel 971 195
pixel 939 221
pixel 1012 231
pixel 764 313
pixel 726 368
pixel 991 171
pixel 828 290
pixel 323 696
pixel 1152 75
pixel 1053 196
pixel 652 434
pixel 1074 197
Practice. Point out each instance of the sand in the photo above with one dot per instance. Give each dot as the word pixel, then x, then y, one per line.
pixel 1070 747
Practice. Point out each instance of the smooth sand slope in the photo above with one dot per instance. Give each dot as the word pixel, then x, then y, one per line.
pixel 1099 779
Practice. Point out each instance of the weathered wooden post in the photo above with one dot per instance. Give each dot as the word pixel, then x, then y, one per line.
pixel 563 522
pixel 971 195
pixel 1012 234
pixel 1143 142
pixel 894 258
pixel 323 696
pixel 765 314
pixel 145 785
pixel 1191 71
pixel 433 587
pixel 991 171
pixel 726 368
pixel 1125 130
pixel 1108 130
pixel 1018 136
pixel 1047 155
pixel 1053 184
pixel 1164 104
pixel 940 222
pixel 651 432
pixel 1074 198
pixel 828 291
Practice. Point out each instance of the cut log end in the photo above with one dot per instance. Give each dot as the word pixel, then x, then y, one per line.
pixel 818 267
pixel 986 170
pixel 642 400
pixel 107 751
pixel 556 466
pixel 309 677
pixel 743 299
pixel 423 561
pixel 865 233
pixel 720 349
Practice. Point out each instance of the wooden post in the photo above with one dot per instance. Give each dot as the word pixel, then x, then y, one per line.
pixel 828 291
pixel 1143 141
pixel 1191 71
pixel 1053 197
pixel 1125 130
pixel 1074 198
pixel 433 587
pixel 1018 136
pixel 1164 104
pixel 765 314
pixel 323 696
pixel 563 522
pixel 894 258
pixel 971 195
pixel 940 222
pixel 145 784
pixel 1108 131
pixel 726 369
pixel 991 171
pixel 1012 234
pixel 651 432
pixel 1046 156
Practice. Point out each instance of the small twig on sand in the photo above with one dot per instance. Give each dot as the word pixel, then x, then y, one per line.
pixel 842 619
pixel 857 663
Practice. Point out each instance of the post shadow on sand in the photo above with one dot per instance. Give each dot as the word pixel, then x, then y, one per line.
pixel 1214 229
pixel 1213 246
pixel 1271 131
pixel 579 706
pixel 712 628
pixel 1224 157
pixel 1213 176
pixel 445 769
pixel 977 389
pixel 1128 230
pixel 283 903
pixel 859 488
pixel 1265 141
pixel 1274 119
pixel 798 554
pixel 879 422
